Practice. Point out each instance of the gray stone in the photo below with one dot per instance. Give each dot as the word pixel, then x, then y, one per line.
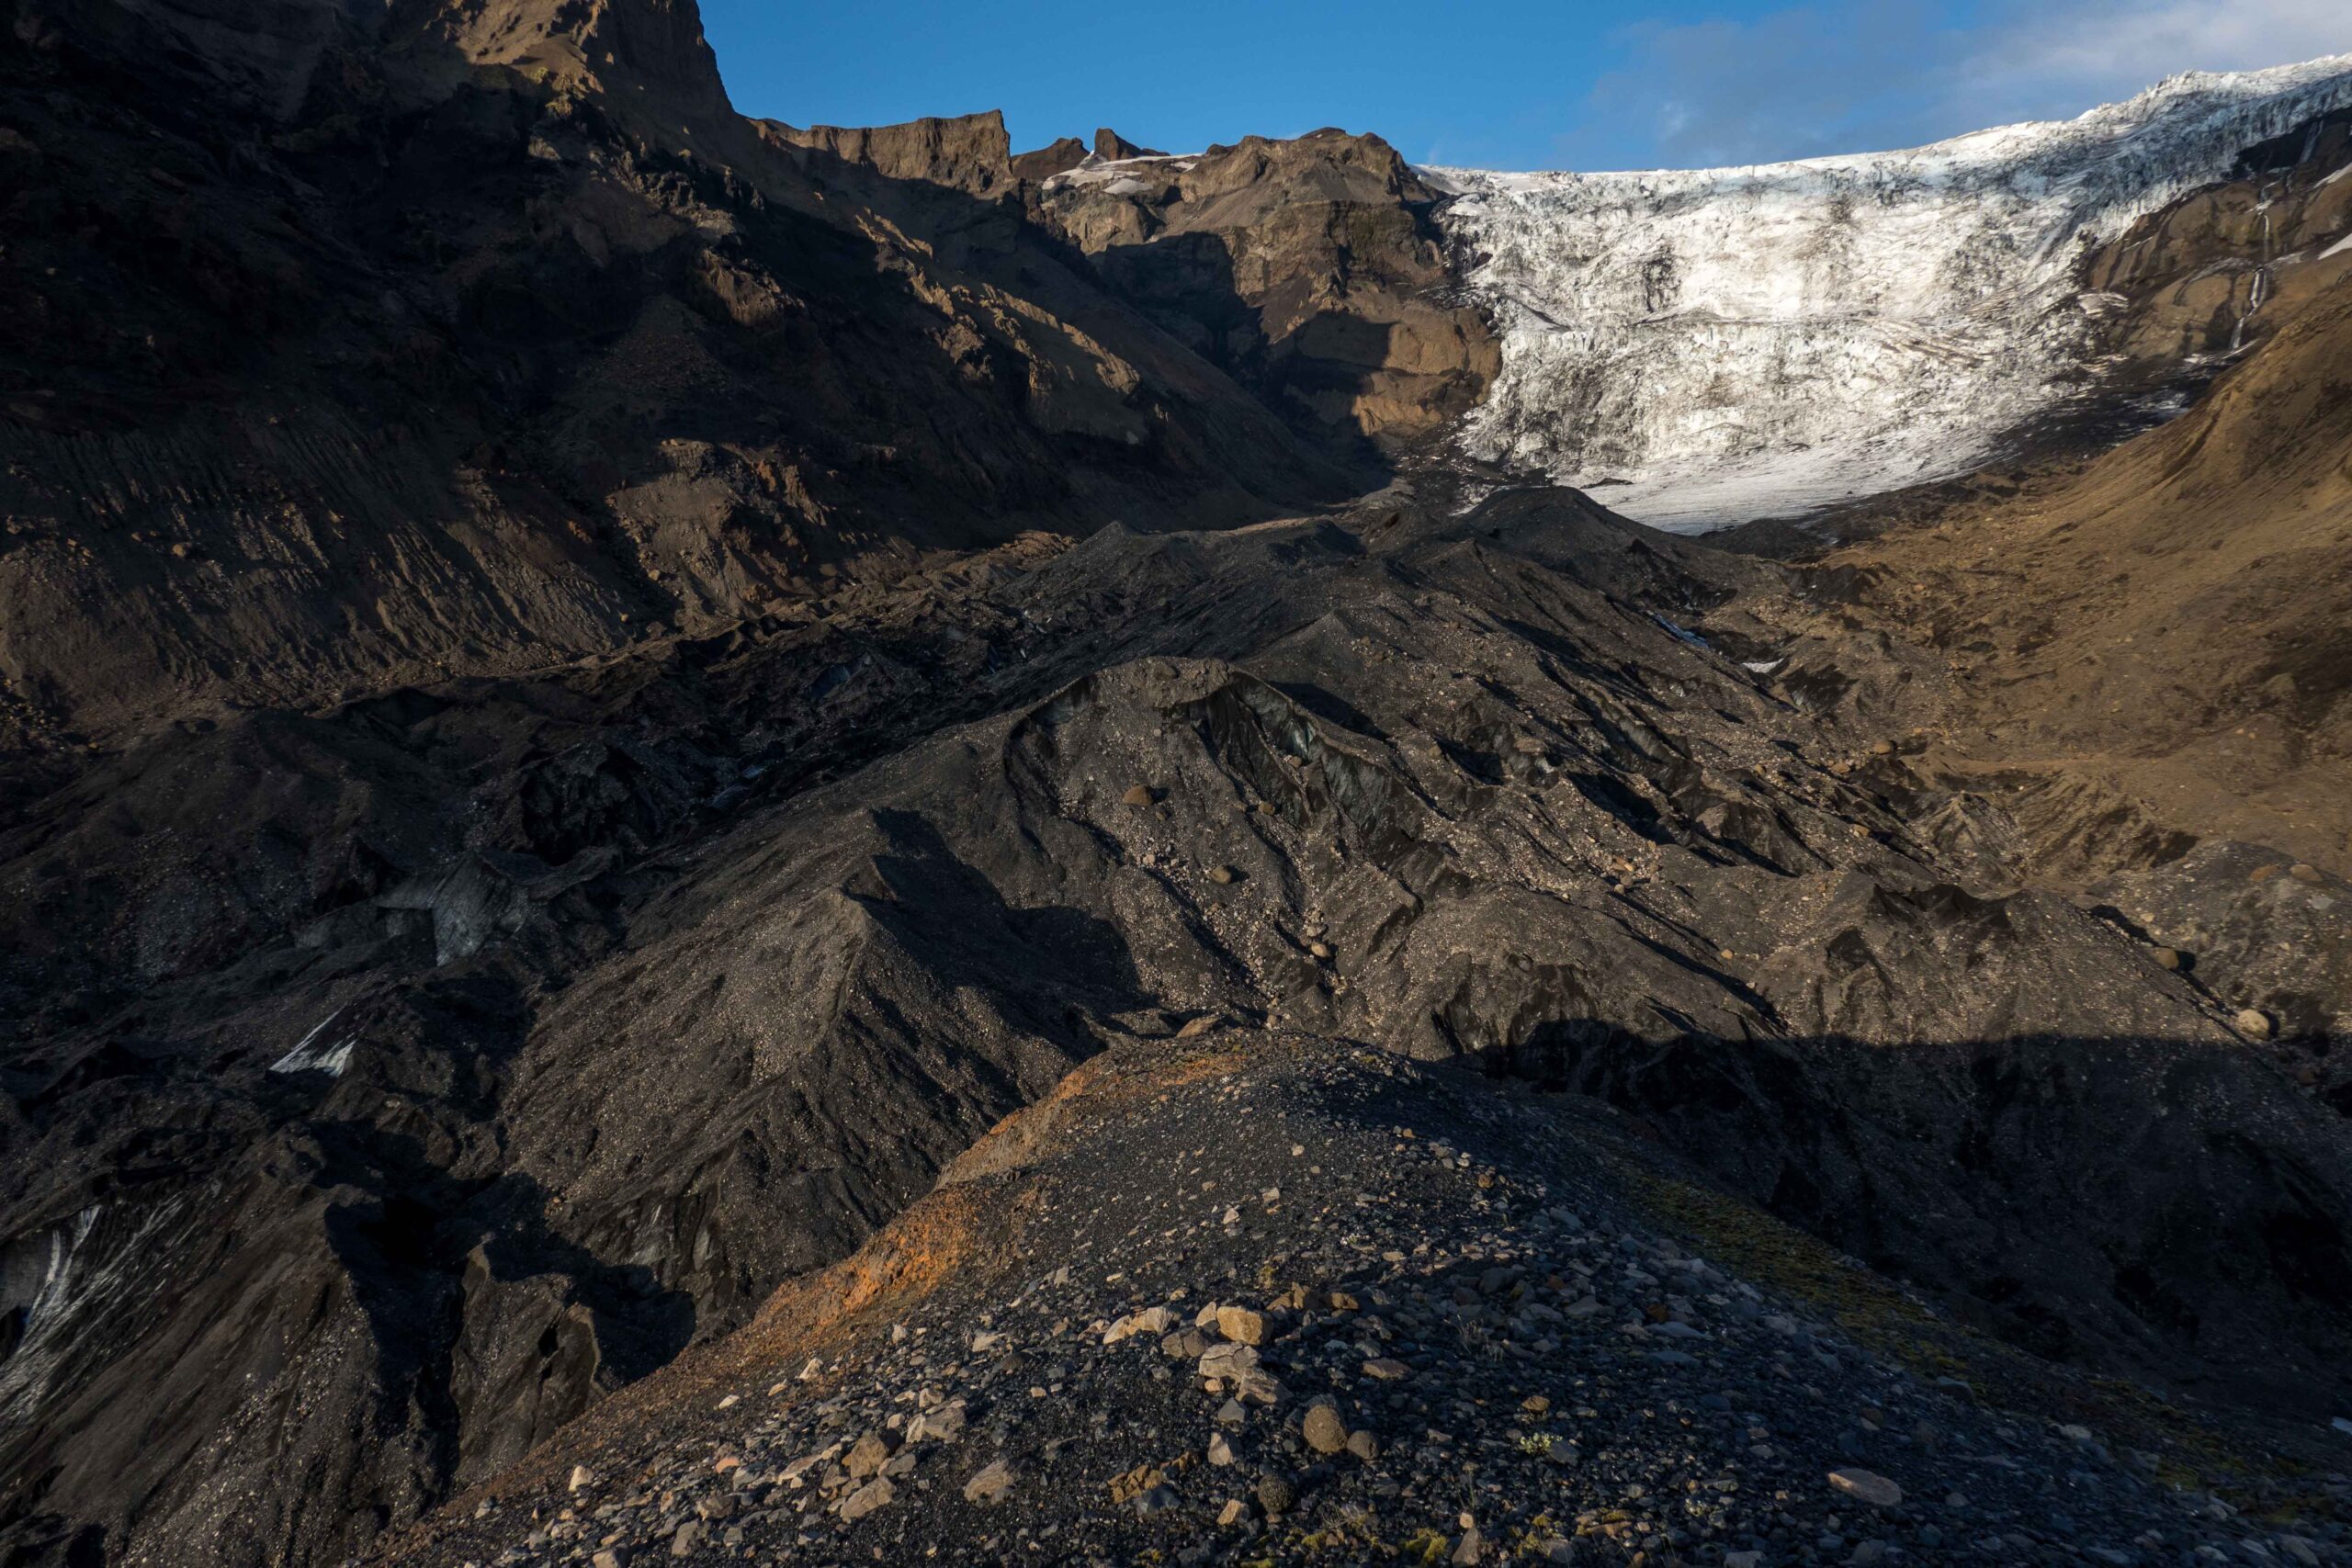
pixel 944 1424
pixel 1229 1361
pixel 866 1499
pixel 1158 1500
pixel 1867 1486
pixel 990 1483
pixel 1324 1431
pixel 869 1454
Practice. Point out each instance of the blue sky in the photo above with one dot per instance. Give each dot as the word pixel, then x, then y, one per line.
pixel 1497 84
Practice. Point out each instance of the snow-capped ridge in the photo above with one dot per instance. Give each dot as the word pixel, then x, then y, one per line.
pixel 1728 342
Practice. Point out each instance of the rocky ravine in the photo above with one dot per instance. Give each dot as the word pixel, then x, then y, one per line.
pixel 598 690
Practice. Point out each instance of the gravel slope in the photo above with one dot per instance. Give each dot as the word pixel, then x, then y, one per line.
pixel 1250 1296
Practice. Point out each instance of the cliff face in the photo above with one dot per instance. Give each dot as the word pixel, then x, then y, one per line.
pixel 2214 272
pixel 646 59
pixel 1309 270
pixel 968 153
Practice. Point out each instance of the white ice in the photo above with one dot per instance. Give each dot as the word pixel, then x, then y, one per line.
pixel 1707 346
pixel 303 1058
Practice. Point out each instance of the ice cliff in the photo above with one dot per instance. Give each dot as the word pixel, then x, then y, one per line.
pixel 1709 346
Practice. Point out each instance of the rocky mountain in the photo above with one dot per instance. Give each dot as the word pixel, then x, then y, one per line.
pixel 439 351
pixel 1312 271
pixel 704 818
pixel 1402 1317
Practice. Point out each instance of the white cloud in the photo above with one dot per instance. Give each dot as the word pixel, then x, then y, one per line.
pixel 2096 51
pixel 1859 75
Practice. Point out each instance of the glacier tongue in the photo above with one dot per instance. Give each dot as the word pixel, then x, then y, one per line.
pixel 1711 345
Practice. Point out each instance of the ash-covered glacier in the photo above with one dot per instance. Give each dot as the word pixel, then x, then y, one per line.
pixel 1713 345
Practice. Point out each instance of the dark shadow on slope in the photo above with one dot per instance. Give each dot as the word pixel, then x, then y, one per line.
pixel 1309 374
pixel 2167 1209
pixel 951 912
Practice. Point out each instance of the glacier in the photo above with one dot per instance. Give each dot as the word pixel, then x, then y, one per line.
pixel 1701 347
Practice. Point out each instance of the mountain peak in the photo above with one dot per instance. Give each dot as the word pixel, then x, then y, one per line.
pixel 643 56
pixel 1110 145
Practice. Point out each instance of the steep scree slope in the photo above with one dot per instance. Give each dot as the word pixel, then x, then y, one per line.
pixel 1254 1296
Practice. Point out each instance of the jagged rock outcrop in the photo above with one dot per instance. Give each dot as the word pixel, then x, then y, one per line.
pixel 968 153
pixel 1308 269
pixel 1109 144
pixel 1065 152
pixel 646 62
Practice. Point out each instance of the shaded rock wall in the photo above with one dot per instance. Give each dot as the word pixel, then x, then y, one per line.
pixel 1307 269
pixel 496 352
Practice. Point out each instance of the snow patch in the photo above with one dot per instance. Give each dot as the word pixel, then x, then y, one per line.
pixel 307 1058
pixel 1726 343
pixel 1124 176
pixel 105 1255
pixel 2338 248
